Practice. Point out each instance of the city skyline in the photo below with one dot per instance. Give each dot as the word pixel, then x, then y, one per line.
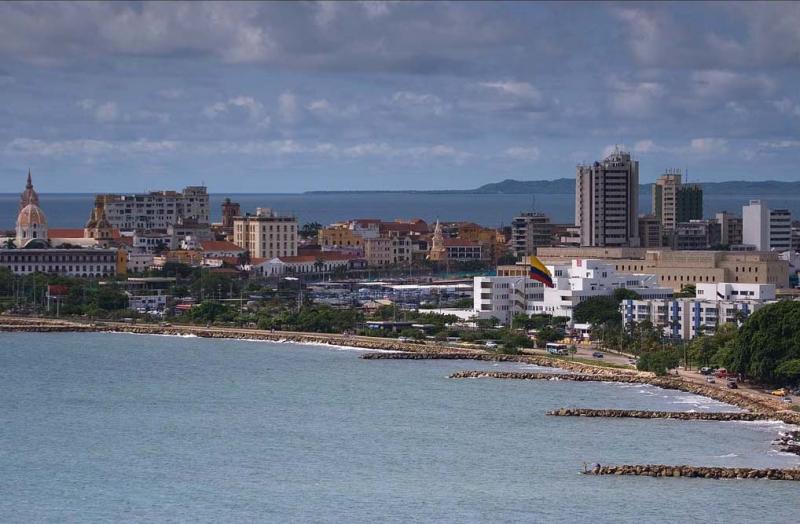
pixel 318 96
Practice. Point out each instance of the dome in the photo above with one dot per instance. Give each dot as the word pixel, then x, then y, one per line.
pixel 29 196
pixel 31 215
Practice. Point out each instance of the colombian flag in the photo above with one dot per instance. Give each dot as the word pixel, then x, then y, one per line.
pixel 538 272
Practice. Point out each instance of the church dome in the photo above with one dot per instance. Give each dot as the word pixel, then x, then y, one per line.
pixel 31 215
pixel 29 196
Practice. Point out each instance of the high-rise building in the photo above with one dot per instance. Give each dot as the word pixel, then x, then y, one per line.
pixel 730 229
pixel 674 202
pixel 607 201
pixel 157 209
pixel 650 231
pixel 766 229
pixel 529 231
pixel 780 229
pixel 266 234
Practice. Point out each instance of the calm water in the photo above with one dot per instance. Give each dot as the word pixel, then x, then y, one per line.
pixel 104 427
pixel 72 210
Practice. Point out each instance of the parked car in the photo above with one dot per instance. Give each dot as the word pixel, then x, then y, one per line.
pixel 597 354
pixel 490 344
pixel 721 373
pixel 733 385
pixel 787 400
pixel 710 380
pixel 780 392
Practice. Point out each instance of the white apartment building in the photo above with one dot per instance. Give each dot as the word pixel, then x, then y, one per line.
pixel 156 209
pixel 715 304
pixel 607 201
pixel 139 262
pixel 514 292
pixel 266 234
pixel 766 229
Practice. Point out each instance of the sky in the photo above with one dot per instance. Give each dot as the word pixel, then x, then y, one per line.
pixel 289 97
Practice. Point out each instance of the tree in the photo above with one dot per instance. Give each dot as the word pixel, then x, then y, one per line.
pixel 598 310
pixel 659 361
pixel 789 371
pixel 243 258
pixel 9 244
pixel 507 259
pixel 310 230
pixel 767 339
pixel 622 293
pixel 548 334
pixel 687 291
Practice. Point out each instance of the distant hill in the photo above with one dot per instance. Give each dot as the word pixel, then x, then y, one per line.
pixel 566 186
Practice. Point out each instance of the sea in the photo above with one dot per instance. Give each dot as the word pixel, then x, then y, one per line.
pixel 72 210
pixel 141 428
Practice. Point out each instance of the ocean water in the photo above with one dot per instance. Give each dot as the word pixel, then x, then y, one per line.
pixel 117 427
pixel 72 210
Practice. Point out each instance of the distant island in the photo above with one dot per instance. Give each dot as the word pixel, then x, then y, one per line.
pixel 566 186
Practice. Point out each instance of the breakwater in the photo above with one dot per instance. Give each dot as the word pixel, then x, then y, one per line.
pixel 678 415
pixel 661 470
pixel 738 398
pixel 538 360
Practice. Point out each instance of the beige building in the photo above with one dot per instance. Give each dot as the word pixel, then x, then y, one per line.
pixel 677 268
pixel 266 234
pixel 387 251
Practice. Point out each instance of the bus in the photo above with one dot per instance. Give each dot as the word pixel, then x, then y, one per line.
pixel 555 348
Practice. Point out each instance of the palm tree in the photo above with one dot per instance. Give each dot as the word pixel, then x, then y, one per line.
pixel 9 244
pixel 319 265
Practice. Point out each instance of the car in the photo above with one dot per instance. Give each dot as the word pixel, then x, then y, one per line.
pixel 732 385
pixel 710 380
pixel 404 339
pixel 787 400
pixel 705 371
pixel 597 354
pixel 491 344
pixel 779 392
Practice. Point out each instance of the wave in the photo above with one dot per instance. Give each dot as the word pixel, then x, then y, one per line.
pixel 729 455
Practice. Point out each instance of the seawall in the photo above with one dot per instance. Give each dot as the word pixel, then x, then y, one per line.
pixel 678 415
pixel 737 398
pixel 662 470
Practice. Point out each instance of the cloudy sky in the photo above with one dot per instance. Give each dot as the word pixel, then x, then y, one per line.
pixel 286 97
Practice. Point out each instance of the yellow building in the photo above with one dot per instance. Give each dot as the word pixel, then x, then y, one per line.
pixel 266 234
pixel 339 236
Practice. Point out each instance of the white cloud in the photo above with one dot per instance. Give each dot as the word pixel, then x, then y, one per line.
pixel 527 153
pixel 645 146
pixel 708 146
pixel 423 102
pixel 252 108
pixel 637 99
pixel 106 113
pixel 172 93
pixel 287 107
pixel 516 89
pixel 719 84
pixel 90 147
pixel 787 107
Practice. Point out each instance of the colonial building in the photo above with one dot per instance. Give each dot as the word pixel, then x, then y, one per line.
pixel 266 234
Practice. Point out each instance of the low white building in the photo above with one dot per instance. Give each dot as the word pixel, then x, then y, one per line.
pixel 714 304
pixel 144 303
pixel 139 262
pixel 513 291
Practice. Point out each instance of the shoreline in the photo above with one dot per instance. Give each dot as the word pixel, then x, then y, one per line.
pixel 391 349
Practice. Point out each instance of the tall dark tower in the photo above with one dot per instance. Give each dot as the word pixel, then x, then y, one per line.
pixel 229 211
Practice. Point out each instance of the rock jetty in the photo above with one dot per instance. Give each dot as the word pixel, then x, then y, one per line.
pixel 678 415
pixel 789 442
pixel 738 398
pixel 661 470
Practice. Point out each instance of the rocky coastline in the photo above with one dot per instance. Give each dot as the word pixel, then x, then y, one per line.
pixel 737 398
pixel 677 415
pixel 662 470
